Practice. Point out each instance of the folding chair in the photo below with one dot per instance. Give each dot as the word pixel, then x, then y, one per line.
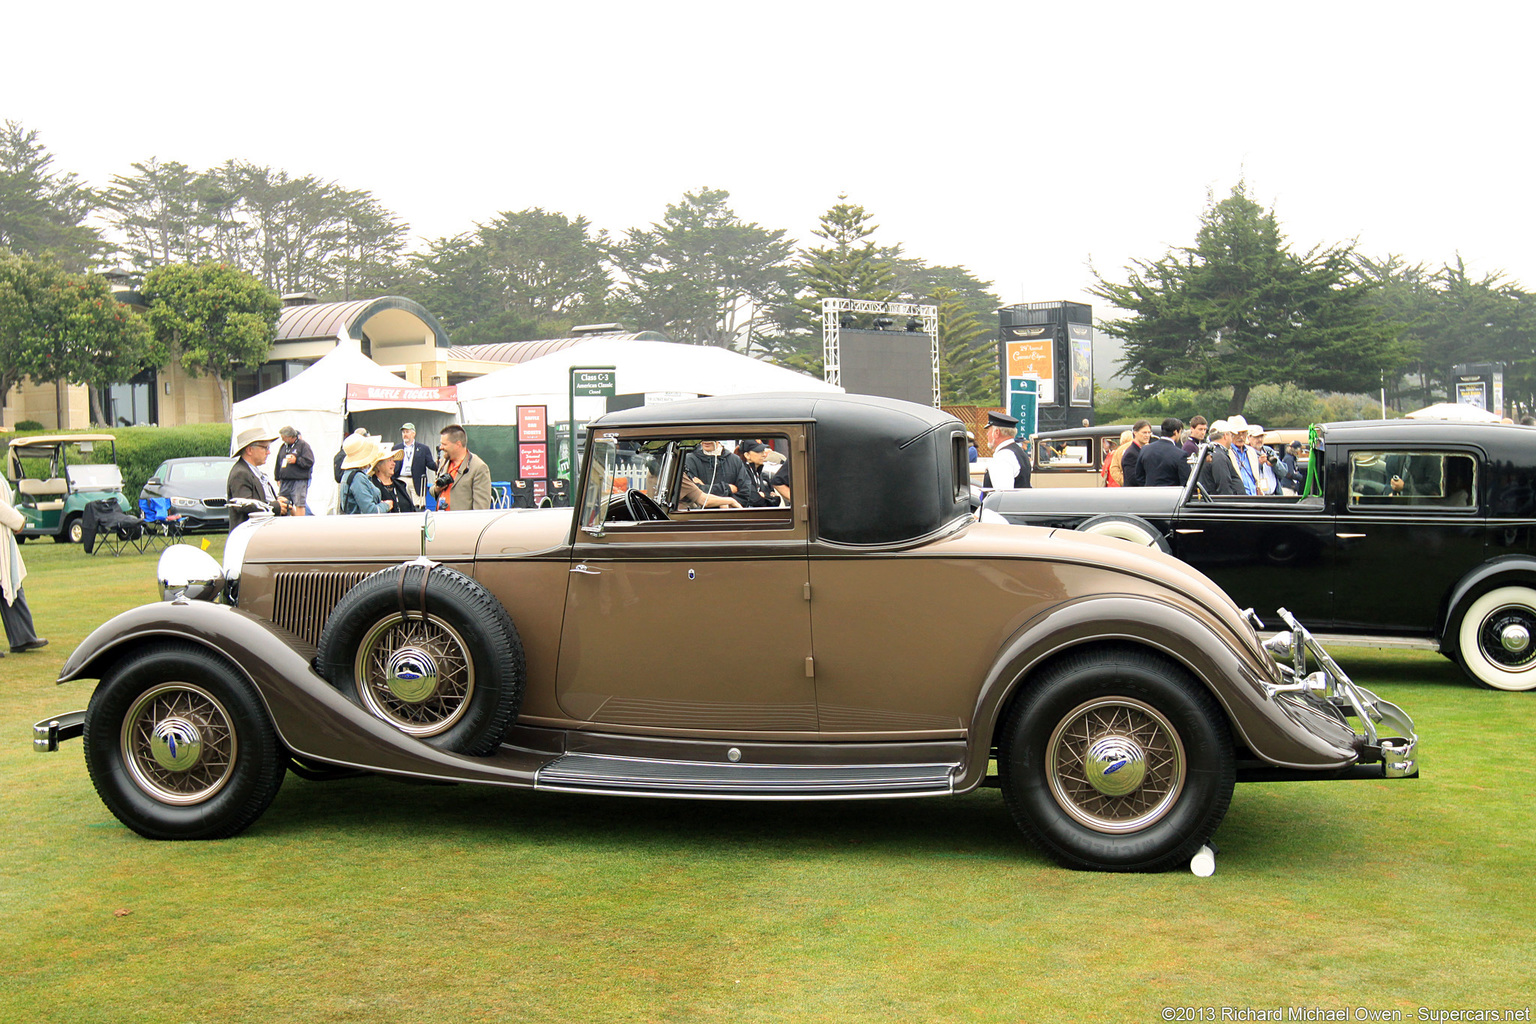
pixel 162 528
pixel 106 527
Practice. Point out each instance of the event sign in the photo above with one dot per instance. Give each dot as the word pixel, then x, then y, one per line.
pixel 532 422
pixel 1024 405
pixel 1033 356
pixel 374 393
pixel 533 461
pixel 594 382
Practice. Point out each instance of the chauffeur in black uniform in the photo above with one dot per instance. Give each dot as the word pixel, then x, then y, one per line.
pixel 1010 462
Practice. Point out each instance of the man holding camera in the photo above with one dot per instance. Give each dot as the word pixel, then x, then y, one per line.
pixel 463 481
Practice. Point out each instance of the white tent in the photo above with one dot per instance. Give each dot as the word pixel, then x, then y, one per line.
pixel 1455 411
pixel 315 404
pixel 659 369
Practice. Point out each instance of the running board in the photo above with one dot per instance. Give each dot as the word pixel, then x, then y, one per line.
pixel 635 776
pixel 1332 640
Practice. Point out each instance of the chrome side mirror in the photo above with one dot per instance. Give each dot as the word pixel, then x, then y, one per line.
pixel 189 572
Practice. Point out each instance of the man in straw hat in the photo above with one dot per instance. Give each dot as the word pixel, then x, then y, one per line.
pixel 246 480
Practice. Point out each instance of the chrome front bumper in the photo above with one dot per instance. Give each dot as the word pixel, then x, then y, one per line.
pixel 48 734
pixel 1385 735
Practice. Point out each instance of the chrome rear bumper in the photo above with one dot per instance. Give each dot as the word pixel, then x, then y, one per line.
pixel 48 734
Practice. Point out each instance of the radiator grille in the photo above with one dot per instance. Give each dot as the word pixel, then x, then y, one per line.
pixel 304 600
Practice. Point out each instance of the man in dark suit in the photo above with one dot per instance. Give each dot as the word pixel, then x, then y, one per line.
pixel 1163 462
pixel 246 480
pixel 1141 436
pixel 415 463
pixel 1220 475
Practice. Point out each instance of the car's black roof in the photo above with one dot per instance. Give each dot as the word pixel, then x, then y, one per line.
pixel 1427 432
pixel 902 420
pixel 884 468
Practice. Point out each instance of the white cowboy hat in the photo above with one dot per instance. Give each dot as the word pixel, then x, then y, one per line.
pixel 1237 424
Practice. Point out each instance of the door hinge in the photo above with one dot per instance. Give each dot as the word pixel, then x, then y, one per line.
pixel 810 668
pixel 807 591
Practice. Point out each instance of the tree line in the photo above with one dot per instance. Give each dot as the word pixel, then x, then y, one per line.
pixel 1237 309
pixel 1242 308
pixel 701 273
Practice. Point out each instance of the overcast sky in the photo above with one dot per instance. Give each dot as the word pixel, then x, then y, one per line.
pixel 1021 140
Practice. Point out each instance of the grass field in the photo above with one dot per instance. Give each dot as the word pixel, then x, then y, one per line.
pixel 370 900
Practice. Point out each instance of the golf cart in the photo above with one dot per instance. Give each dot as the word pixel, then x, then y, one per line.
pixel 54 476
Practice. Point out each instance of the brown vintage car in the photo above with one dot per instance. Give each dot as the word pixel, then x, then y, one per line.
pixel 867 638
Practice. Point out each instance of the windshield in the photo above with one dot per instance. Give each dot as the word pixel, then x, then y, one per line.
pixel 601 460
pixel 95 478
pixel 211 471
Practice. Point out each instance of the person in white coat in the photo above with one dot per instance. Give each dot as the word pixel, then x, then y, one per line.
pixel 13 602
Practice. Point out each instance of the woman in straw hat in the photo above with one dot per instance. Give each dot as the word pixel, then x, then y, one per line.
pixel 359 496
pixel 392 489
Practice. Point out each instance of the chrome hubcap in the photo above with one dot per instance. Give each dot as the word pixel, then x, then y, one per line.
pixel 1115 765
pixel 412 675
pixel 1515 638
pixel 417 676
pixel 178 744
pixel 175 744
pixel 1505 638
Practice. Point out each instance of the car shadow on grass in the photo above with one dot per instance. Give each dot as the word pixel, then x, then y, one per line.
pixel 975 824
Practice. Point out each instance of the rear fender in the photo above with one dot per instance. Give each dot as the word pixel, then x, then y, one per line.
pixel 1177 631
pixel 1506 570
pixel 312 718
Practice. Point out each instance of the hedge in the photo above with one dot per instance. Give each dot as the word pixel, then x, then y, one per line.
pixel 140 450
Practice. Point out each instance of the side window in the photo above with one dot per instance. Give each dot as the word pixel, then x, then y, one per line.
pixel 1414 479
pixel 658 480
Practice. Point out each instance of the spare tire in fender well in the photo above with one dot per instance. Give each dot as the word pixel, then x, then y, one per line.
pixel 430 651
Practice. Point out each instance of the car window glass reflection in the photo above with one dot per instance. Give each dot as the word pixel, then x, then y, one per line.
pixel 1411 479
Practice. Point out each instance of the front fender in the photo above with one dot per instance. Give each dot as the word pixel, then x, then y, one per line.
pixel 1178 630
pixel 311 717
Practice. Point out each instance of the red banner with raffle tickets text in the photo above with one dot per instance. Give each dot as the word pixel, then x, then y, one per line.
pixel 377 393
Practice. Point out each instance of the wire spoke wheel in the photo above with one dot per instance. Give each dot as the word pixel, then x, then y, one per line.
pixel 1115 765
pixel 417 675
pixel 178 744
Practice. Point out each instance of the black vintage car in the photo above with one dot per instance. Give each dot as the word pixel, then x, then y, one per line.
pixel 1414 534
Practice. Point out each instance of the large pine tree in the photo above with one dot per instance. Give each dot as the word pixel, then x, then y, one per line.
pixel 1240 308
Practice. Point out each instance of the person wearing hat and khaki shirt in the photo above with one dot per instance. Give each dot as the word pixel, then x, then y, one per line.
pixel 246 480
pixel 1009 469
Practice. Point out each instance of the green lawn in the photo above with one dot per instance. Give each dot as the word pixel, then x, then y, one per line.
pixel 370 900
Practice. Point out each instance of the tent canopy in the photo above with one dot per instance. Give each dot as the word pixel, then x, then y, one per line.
pixel 315 404
pixel 642 367
pixel 1455 411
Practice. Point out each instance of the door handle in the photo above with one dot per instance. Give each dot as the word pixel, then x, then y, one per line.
pixel 1349 536
pixel 582 568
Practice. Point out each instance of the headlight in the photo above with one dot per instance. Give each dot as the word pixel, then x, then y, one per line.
pixel 185 503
